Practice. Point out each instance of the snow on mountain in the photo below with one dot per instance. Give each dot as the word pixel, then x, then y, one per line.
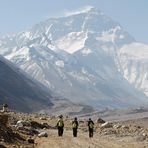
pixel 85 57
pixel 134 61
pixel 71 42
pixel 23 53
pixel 81 10
pixel 110 35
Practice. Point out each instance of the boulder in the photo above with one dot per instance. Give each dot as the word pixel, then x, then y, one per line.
pixel 30 140
pixel 19 124
pixel 29 131
pixel 2 146
pixel 101 121
pixel 106 125
pixel 4 119
pixel 117 126
pixel 125 127
pixel 144 134
pixel 81 121
pixel 37 125
pixel 43 118
pixel 43 134
pixel 46 125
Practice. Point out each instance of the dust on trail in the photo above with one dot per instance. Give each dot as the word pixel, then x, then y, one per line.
pixel 82 141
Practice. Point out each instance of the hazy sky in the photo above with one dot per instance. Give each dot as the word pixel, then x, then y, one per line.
pixel 18 15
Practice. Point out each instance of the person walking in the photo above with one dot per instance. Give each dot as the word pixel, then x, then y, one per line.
pixel 60 125
pixel 90 127
pixel 75 127
pixel 5 108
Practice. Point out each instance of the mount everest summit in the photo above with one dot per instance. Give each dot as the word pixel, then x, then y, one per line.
pixel 85 57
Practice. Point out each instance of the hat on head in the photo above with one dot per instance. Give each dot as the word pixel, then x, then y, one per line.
pixel 61 116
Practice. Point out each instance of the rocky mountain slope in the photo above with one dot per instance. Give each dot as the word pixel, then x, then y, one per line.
pixel 25 94
pixel 85 57
pixel 21 92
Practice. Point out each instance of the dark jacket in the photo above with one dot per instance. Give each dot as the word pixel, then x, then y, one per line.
pixel 90 124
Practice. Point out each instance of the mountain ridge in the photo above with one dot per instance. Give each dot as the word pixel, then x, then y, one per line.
pixel 19 91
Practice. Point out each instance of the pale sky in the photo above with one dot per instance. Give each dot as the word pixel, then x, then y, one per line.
pixel 19 15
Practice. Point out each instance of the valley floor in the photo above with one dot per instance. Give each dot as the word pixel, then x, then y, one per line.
pixel 132 133
pixel 82 141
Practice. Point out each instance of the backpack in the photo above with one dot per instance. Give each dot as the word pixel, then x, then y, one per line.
pixel 74 125
pixel 91 125
pixel 60 123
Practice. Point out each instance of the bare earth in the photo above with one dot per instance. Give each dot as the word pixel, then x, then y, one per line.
pixel 82 141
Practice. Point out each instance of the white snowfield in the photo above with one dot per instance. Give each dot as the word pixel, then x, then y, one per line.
pixel 72 42
pixel 110 35
pixel 134 61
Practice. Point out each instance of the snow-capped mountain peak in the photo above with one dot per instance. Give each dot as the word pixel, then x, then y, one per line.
pixel 86 52
pixel 85 9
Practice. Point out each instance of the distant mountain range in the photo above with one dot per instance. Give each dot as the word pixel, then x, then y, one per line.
pixel 85 57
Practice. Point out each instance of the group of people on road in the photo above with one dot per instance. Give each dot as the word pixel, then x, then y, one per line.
pixel 75 124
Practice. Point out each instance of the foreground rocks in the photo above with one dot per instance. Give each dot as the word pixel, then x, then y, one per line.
pixel 7 133
pixel 18 129
pixel 43 134
pixel 138 133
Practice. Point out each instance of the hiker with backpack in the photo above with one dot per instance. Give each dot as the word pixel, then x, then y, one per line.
pixel 60 125
pixel 90 127
pixel 75 127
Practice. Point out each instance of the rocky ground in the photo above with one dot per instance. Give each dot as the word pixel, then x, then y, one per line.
pixel 18 130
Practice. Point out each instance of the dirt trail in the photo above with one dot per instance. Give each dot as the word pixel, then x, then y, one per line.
pixel 82 141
